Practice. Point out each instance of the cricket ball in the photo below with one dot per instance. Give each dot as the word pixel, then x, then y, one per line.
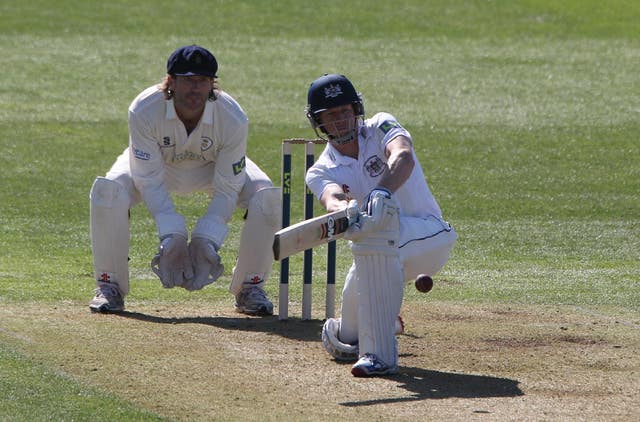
pixel 424 283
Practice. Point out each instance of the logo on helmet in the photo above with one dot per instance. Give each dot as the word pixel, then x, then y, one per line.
pixel 332 91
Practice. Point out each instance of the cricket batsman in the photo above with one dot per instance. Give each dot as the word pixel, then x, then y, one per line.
pixel 400 232
pixel 185 135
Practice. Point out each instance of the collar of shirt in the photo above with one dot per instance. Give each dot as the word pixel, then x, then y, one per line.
pixel 338 159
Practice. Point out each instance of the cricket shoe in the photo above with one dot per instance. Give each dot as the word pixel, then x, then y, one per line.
pixel 370 366
pixel 107 300
pixel 252 300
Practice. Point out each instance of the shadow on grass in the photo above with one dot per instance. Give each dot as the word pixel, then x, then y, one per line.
pixel 293 328
pixel 426 384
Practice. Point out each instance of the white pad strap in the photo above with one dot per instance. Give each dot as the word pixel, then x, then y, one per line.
pixel 255 255
pixel 109 227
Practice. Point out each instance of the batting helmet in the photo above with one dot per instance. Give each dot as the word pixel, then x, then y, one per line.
pixel 329 91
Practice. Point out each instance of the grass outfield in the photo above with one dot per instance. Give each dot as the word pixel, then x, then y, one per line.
pixel 525 117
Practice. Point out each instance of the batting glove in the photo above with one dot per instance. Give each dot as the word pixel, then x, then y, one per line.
pixel 355 221
pixel 206 261
pixel 172 263
pixel 377 213
pixel 381 209
pixel 375 193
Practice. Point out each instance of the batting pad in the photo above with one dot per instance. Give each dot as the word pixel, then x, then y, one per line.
pixel 349 308
pixel 379 285
pixel 255 256
pixel 340 351
pixel 109 217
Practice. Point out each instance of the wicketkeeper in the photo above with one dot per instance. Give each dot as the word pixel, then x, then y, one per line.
pixel 185 135
pixel 400 233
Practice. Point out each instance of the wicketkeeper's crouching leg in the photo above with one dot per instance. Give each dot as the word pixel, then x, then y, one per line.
pixel 255 255
pixel 109 217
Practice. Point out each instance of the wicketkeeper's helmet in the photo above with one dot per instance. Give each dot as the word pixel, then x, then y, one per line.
pixel 329 91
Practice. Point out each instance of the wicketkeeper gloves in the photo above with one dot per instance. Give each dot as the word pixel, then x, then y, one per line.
pixel 172 264
pixel 206 262
pixel 191 267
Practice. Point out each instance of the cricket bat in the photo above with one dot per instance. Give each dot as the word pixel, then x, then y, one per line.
pixel 310 233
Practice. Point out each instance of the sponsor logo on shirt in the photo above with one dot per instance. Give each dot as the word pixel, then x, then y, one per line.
pixel 166 141
pixel 188 155
pixel 374 166
pixel 387 125
pixel 141 155
pixel 237 167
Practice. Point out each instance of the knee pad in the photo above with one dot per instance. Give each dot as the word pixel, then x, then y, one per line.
pixel 266 204
pixel 108 194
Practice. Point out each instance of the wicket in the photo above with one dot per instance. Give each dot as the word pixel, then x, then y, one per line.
pixel 283 297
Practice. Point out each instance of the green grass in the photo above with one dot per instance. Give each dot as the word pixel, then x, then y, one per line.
pixel 525 116
pixel 32 392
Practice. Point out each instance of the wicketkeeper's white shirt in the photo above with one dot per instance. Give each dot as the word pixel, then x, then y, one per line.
pixel 164 158
pixel 358 177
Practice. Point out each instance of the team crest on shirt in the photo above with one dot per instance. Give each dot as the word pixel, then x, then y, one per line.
pixel 374 166
pixel 206 143
pixel 237 167
pixel 166 141
pixel 332 91
pixel 387 125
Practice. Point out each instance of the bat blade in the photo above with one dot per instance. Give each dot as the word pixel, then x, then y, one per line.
pixel 309 233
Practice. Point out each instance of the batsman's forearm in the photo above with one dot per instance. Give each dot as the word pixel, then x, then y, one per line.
pixel 399 168
pixel 334 200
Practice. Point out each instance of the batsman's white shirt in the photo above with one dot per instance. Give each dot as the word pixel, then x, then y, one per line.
pixel 425 239
pixel 358 177
pixel 164 158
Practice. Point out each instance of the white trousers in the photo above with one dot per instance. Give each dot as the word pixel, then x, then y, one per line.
pixel 256 179
pixel 425 247
pixel 110 231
